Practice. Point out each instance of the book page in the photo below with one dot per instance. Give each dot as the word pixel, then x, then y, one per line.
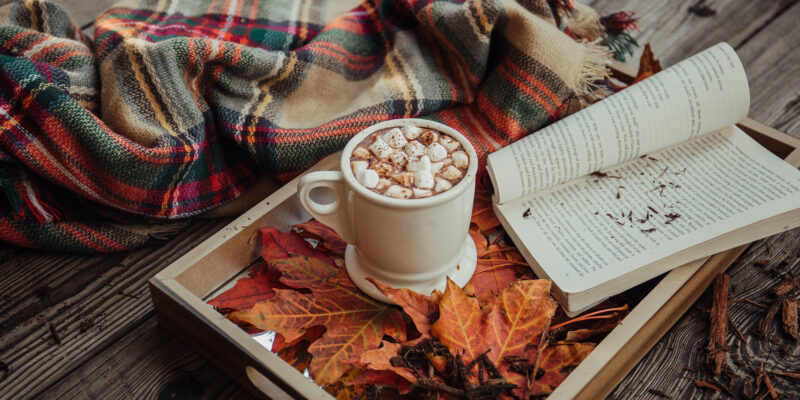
pixel 596 228
pixel 701 94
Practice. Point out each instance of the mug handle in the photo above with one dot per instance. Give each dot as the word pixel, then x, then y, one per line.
pixel 337 214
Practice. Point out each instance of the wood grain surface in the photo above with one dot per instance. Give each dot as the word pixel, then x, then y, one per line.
pixel 111 348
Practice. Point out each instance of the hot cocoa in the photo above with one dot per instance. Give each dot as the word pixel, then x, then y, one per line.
pixel 409 162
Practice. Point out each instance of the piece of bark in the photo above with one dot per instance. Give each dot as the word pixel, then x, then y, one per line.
pixel 771 389
pixel 716 350
pixel 793 375
pixel 789 317
pixel 767 320
pixel 786 286
pixel 704 384
pixel 749 389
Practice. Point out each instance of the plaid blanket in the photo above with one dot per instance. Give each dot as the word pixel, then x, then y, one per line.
pixel 175 108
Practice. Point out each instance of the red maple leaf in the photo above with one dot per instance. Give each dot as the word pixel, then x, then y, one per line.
pixel 276 244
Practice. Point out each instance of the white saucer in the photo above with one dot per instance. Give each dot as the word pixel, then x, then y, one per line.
pixel 359 269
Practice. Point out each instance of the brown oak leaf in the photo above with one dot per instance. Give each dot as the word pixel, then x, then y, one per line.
pixel 380 360
pixel 354 322
pixel 422 309
pixel 330 240
pixel 648 64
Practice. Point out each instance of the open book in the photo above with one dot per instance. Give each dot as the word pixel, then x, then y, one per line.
pixel 646 180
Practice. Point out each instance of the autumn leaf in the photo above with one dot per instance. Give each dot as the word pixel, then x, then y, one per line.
pixel 520 315
pixel 461 323
pixel 383 378
pixel 296 355
pixel 555 364
pixel 310 335
pixel 346 389
pixel 490 278
pixel 249 290
pixel 380 360
pixel 482 213
pixel 648 64
pixel 422 309
pixel 481 243
pixel 355 322
pixel 330 240
pixel 276 244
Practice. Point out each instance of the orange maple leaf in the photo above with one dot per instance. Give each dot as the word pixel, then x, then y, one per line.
pixel 516 318
pixel 521 313
pixel 461 323
pixel 355 322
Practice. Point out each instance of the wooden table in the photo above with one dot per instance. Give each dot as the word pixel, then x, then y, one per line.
pixel 111 346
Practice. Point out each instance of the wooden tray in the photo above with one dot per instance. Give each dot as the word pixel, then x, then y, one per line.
pixel 179 293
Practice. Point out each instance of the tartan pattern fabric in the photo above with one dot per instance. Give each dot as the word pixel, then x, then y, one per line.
pixel 175 108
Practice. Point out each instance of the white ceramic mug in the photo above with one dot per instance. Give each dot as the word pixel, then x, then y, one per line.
pixel 404 243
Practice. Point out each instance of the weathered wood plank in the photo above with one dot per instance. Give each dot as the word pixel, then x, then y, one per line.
pixel 92 302
pixel 148 363
pixel 772 60
pixel 675 33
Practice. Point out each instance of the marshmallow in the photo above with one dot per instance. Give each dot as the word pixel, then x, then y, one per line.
pixel 368 177
pixel 399 158
pixel 435 167
pixel 449 143
pixel 420 164
pixel 358 166
pixel 398 192
pixel 460 159
pixel 380 149
pixel 360 152
pixel 442 185
pixel 411 132
pixel 428 137
pixel 415 149
pixel 395 138
pixel 383 168
pixel 383 183
pixel 405 178
pixel 423 179
pixel 451 173
pixel 436 152
pixel 419 193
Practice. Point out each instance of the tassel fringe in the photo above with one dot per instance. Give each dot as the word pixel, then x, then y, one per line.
pixel 595 70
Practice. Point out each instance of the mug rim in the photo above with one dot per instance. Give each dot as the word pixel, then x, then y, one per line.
pixel 466 181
